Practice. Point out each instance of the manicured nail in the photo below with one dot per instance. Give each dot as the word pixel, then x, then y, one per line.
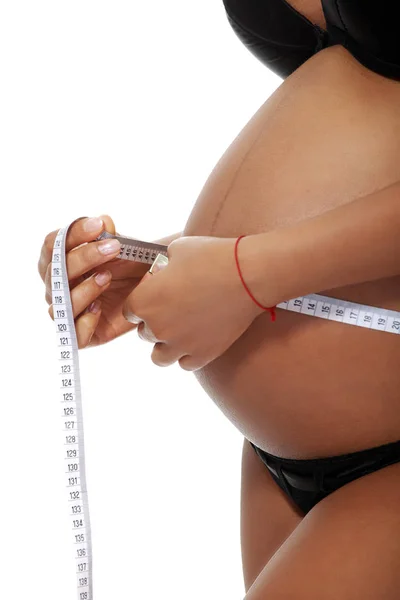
pixel 109 246
pixel 95 306
pixel 103 278
pixel 93 224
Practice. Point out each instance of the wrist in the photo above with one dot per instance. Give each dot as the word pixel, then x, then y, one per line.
pixel 258 260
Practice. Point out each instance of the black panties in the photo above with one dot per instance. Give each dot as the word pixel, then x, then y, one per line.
pixel 307 481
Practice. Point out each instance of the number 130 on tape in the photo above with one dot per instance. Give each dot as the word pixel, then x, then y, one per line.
pixel 313 305
pixel 71 400
pixel 72 423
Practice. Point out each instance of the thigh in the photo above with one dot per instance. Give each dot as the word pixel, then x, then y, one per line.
pixel 267 515
pixel 346 547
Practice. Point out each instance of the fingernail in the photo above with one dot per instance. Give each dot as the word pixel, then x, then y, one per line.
pixel 95 306
pixel 109 246
pixel 93 224
pixel 103 278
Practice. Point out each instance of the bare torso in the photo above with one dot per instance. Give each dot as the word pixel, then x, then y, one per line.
pixel 304 387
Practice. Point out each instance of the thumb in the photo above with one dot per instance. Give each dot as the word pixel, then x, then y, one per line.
pixel 108 224
pixel 128 314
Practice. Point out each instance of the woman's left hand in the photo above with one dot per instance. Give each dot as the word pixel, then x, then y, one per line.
pixel 195 307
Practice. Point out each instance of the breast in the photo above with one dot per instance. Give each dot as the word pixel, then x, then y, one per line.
pixel 303 386
pixel 274 32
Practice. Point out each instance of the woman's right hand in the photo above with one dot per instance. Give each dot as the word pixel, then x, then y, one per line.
pixel 103 321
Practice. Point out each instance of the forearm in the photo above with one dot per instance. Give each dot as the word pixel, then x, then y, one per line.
pixel 356 242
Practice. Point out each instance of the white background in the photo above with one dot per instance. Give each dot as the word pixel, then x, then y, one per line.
pixel 119 108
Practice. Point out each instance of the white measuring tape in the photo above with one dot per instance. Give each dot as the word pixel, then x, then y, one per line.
pixel 71 402
pixel 70 389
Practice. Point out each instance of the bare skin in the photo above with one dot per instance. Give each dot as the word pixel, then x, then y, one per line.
pixel 302 387
pixel 85 262
pixel 328 135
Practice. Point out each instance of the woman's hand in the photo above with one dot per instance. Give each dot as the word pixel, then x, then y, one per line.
pixel 84 260
pixel 195 307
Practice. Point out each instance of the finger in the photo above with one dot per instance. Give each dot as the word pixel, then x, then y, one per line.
pixel 85 293
pixel 145 333
pixel 90 256
pixel 188 363
pixel 84 259
pixel 164 355
pixel 130 317
pixel 86 325
pixel 108 224
pixel 78 234
pixel 48 244
pixel 128 314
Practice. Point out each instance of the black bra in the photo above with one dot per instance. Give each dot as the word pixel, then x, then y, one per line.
pixel 283 39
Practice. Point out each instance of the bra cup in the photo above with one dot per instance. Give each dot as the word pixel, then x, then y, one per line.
pixel 279 59
pixel 273 32
pixel 283 39
pixel 274 20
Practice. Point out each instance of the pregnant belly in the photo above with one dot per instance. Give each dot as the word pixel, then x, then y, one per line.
pixel 302 386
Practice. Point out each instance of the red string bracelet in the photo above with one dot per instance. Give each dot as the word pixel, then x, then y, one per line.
pixel 272 308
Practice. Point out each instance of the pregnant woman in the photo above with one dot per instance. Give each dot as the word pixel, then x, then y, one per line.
pixel 313 183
